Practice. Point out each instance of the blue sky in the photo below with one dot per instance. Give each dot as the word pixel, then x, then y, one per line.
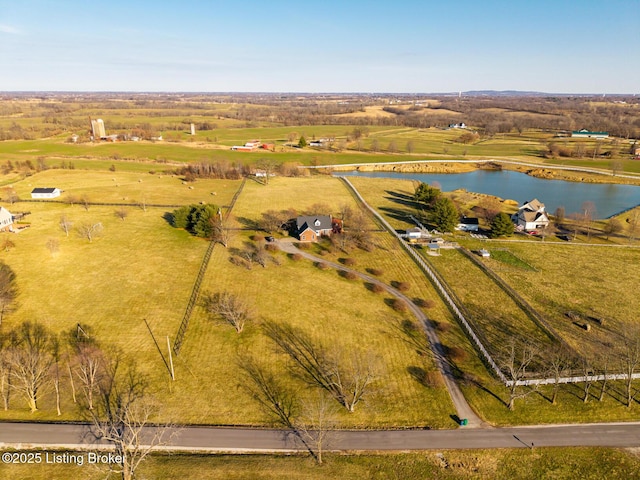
pixel 561 46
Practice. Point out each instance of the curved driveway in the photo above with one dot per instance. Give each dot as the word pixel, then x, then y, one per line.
pixel 463 409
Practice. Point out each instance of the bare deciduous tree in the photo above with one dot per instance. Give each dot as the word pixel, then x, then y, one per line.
pixel 633 225
pixel 612 227
pixel 604 360
pixel 84 200
pixel 221 232
pixel 122 213
pixel 586 368
pixel 517 358
pixel 558 363
pixel 588 214
pixel 310 422
pixel 346 377
pixel 268 166
pixel 5 375
pixel 30 359
pixel 229 307
pixel 8 289
pixel 89 369
pixel 53 245
pixel 65 224
pixel 89 230
pixel 122 411
pixel 630 360
pixel 315 425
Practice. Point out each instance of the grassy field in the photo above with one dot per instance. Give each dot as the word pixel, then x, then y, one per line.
pixel 142 268
pixel 139 268
pixel 306 297
pixel 606 289
pixel 544 274
pixel 565 463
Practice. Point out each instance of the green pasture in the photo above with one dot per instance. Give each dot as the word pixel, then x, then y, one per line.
pixel 596 282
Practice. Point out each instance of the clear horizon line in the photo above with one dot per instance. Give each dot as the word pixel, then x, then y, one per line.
pixel 301 92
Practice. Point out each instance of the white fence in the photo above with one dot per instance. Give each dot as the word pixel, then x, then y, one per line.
pixel 470 332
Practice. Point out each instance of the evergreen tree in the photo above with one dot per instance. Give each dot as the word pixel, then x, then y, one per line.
pixel 303 142
pixel 426 194
pixel 502 226
pixel 445 215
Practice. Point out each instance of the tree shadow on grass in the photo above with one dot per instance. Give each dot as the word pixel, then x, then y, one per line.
pixel 168 217
pixel 248 223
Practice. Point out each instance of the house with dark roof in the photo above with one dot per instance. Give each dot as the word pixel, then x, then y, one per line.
pixel 531 216
pixel 311 227
pixel 468 224
pixel 45 192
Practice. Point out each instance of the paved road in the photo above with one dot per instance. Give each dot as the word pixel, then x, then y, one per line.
pixel 461 405
pixel 23 435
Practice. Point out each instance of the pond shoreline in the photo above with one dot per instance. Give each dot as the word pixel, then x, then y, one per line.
pixel 543 171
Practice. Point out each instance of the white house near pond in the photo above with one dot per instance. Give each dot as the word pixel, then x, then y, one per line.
pixel 531 216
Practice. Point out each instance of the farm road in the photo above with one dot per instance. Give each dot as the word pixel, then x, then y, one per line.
pixel 463 410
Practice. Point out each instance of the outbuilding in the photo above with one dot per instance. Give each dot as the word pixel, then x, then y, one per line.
pixel 45 192
pixel 468 224
pixel 6 220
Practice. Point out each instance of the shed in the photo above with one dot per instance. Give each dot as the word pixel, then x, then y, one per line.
pixel 50 192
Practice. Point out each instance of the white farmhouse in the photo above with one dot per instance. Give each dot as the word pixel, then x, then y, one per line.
pixel 531 216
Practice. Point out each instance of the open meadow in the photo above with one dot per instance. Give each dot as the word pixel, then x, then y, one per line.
pixel 142 268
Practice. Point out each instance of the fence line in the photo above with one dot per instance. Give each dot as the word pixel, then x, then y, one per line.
pixel 195 291
pixel 531 312
pixel 437 282
pixel 456 306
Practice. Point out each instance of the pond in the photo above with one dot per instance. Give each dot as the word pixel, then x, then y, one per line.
pixel 608 198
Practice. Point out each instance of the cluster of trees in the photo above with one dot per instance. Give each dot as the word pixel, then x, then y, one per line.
pixel 440 210
pixel 523 359
pixel 199 220
pixel 219 169
pixel 104 386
